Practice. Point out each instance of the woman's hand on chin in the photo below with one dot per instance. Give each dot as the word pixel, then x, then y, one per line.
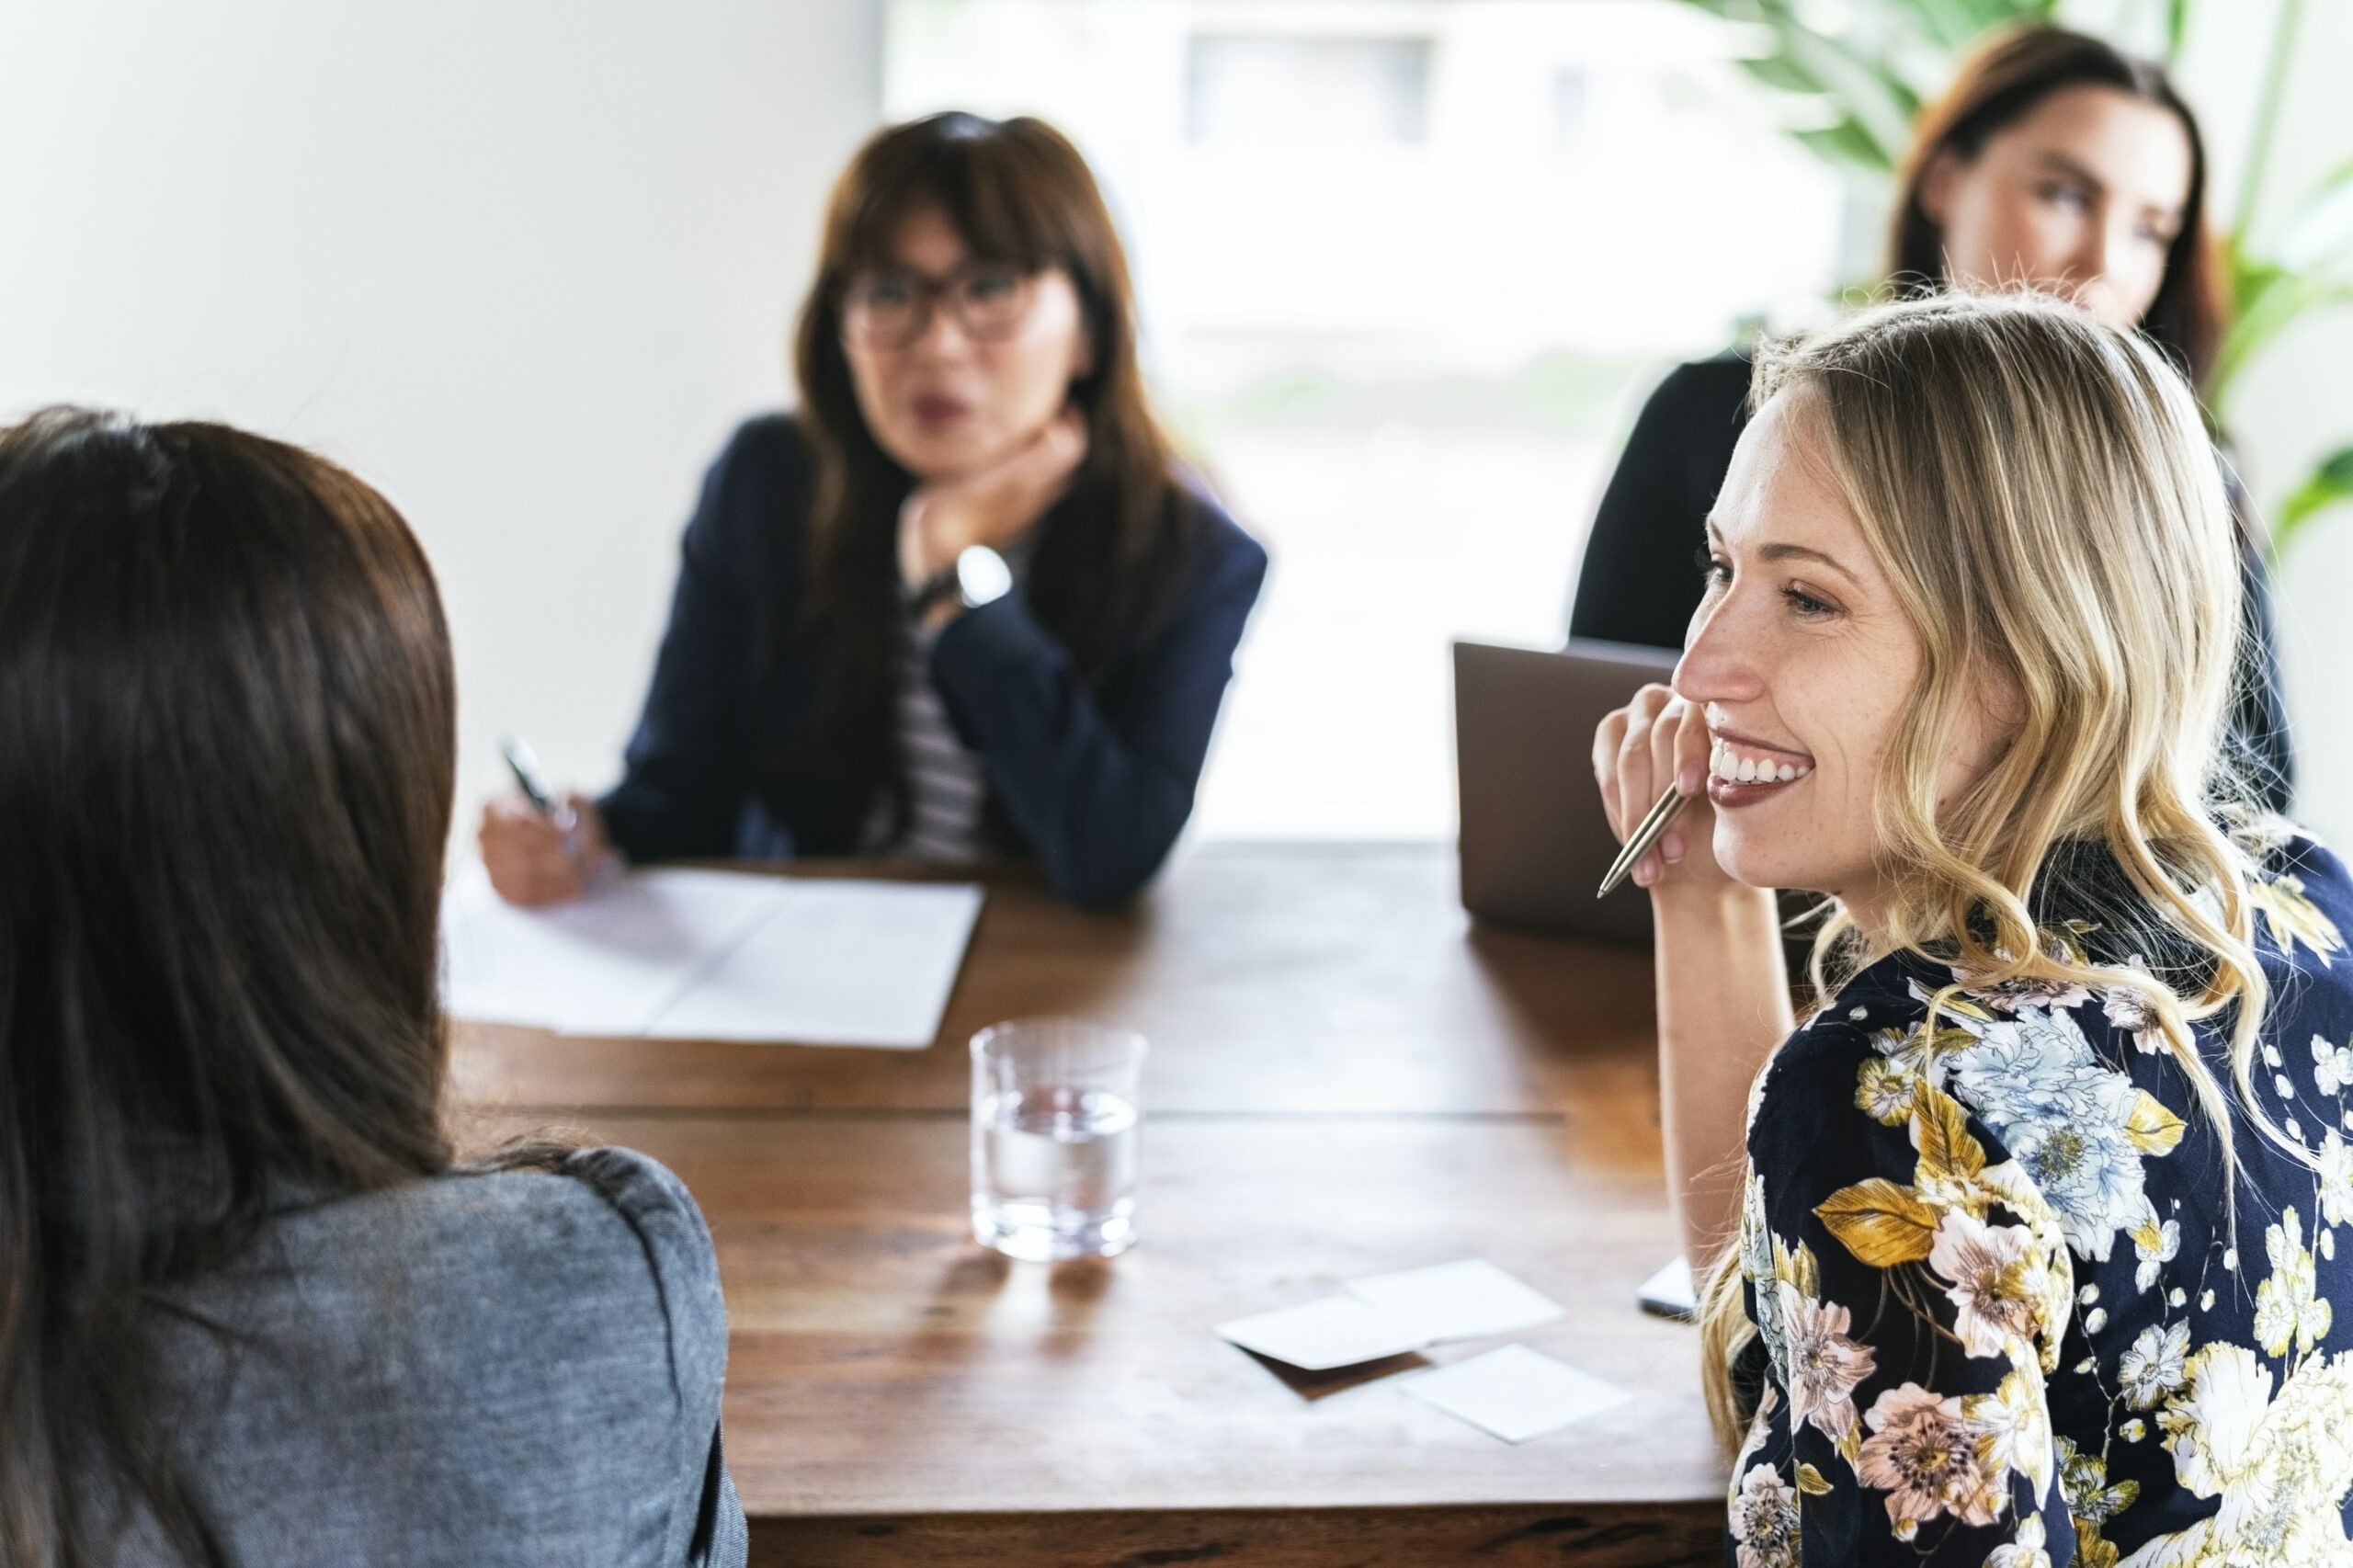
pixel 993 504
pixel 1656 740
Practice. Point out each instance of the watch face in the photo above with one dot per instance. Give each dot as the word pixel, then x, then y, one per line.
pixel 982 575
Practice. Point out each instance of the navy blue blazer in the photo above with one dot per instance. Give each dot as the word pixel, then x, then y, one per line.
pixel 1094 779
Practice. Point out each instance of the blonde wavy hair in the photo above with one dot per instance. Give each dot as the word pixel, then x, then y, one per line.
pixel 2041 490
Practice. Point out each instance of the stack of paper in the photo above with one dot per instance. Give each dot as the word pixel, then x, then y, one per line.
pixel 713 955
pixel 1388 1314
pixel 1514 1393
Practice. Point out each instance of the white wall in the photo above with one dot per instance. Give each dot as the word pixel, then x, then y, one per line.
pixel 520 264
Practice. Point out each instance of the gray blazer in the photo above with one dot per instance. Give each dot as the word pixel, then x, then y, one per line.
pixel 520 1368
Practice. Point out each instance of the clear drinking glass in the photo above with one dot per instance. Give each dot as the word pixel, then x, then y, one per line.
pixel 1056 1103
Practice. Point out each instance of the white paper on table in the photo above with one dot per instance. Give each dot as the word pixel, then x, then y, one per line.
pixel 713 955
pixel 1469 1300
pixel 1670 1290
pixel 1334 1331
pixel 1515 1393
pixel 1388 1314
pixel 836 962
pixel 607 963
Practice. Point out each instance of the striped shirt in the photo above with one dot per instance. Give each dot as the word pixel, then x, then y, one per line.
pixel 946 782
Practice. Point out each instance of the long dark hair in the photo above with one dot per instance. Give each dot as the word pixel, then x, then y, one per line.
pixel 226 760
pixel 1016 192
pixel 2004 82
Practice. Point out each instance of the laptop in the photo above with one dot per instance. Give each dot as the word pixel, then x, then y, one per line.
pixel 1535 841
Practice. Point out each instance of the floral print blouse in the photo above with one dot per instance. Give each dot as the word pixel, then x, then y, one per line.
pixel 2002 1317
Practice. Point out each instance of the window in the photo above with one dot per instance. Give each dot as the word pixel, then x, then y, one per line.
pixel 1404 267
pixel 1252 91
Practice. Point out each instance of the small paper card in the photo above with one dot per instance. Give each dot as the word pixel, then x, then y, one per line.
pixel 1338 1330
pixel 1469 1300
pixel 1515 1393
pixel 1668 1293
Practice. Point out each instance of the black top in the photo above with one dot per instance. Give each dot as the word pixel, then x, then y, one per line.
pixel 1641 580
pixel 1093 776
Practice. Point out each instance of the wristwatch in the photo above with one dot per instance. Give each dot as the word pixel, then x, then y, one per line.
pixel 982 576
pixel 977 577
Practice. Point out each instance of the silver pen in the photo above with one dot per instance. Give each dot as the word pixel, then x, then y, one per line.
pixel 1645 835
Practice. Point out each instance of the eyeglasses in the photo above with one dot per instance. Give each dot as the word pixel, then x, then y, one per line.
pixel 892 309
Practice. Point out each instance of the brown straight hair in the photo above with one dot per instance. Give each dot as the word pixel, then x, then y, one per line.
pixel 1110 551
pixel 2002 82
pixel 226 763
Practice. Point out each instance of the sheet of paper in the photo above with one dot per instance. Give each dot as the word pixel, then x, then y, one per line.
pixel 1469 1300
pixel 1388 1314
pixel 1669 1291
pixel 1335 1331
pixel 608 963
pixel 713 955
pixel 833 962
pixel 1515 1393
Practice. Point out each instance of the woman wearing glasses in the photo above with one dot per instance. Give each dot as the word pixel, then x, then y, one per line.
pixel 962 602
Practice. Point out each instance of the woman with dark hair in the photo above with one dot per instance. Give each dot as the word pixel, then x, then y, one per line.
pixel 2054 162
pixel 962 602
pixel 251 1310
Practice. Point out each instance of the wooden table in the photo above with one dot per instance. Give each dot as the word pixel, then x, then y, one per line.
pixel 1344 1079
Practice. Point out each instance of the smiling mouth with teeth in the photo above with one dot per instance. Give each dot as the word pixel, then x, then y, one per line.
pixel 1728 764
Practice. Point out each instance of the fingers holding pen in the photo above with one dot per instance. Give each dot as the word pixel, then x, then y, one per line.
pixel 1652 755
pixel 1679 751
pixel 535 859
pixel 1649 767
pixel 1607 738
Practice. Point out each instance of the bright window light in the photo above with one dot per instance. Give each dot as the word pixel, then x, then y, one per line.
pixel 1406 270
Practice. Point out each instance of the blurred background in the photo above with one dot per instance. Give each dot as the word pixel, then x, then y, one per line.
pixel 1407 269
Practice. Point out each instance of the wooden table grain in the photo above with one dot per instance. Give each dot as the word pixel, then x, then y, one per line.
pixel 1347 1079
pixel 1308 980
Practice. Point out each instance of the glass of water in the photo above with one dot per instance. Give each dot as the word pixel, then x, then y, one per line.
pixel 1056 1103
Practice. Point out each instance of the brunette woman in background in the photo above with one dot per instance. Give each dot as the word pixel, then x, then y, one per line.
pixel 962 603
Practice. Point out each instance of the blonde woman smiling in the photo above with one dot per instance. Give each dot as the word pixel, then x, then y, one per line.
pixel 2036 1256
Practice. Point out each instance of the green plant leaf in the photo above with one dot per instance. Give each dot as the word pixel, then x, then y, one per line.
pixel 1871 94
pixel 2251 279
pixel 1874 90
pixel 1783 74
pixel 1953 25
pixel 2330 484
pixel 2284 25
pixel 1991 14
pixel 1847 143
pixel 2320 231
pixel 2270 305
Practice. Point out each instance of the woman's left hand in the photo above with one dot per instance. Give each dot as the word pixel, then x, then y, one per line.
pixel 1655 741
pixel 992 505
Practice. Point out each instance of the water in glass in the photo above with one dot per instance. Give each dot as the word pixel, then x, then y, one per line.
pixel 1054 1120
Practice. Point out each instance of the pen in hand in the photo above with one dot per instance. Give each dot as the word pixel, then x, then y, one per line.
pixel 529 778
pixel 1646 832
